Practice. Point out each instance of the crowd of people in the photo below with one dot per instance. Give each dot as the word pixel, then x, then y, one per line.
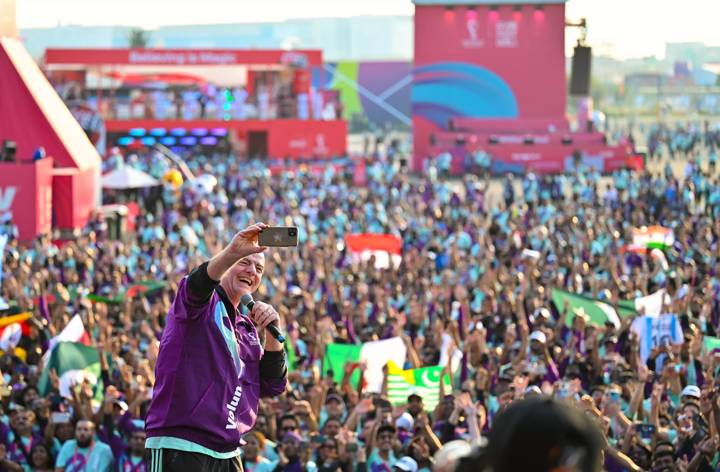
pixel 270 98
pixel 472 293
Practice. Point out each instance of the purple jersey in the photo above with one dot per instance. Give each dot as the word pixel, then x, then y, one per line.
pixel 207 375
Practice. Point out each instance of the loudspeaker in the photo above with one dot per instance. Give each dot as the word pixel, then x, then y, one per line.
pixel 580 75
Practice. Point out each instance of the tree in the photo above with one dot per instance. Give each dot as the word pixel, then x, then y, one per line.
pixel 138 38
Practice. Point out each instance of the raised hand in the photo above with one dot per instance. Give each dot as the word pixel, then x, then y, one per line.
pixel 245 242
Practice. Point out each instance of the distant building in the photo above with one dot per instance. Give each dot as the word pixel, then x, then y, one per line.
pixel 360 38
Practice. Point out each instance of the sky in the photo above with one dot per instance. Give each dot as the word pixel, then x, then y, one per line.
pixel 619 28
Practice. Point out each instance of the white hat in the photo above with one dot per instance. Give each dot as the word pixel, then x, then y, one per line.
pixel 447 456
pixel 407 464
pixel 691 391
pixel 538 336
pixel 405 421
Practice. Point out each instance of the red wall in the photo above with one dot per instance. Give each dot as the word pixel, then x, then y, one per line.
pixel 26 192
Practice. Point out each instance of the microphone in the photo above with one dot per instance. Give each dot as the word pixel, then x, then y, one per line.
pixel 247 301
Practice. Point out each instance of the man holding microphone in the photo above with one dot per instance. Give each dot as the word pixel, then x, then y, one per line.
pixel 212 369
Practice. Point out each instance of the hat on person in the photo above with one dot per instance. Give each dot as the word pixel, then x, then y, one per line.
pixel 122 404
pixel 448 455
pixel 691 391
pixel 335 397
pixel 405 421
pixel 533 390
pixel 538 336
pixel 406 464
pixel 552 433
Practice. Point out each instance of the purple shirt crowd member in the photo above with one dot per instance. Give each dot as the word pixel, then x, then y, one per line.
pixel 212 369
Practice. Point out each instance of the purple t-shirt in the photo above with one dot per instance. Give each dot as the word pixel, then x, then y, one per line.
pixel 207 375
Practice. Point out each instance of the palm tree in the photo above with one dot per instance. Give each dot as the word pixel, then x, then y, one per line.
pixel 138 38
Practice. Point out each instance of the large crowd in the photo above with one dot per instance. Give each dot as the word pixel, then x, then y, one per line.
pixel 472 293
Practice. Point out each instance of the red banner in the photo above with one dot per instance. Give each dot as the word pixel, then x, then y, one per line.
pixel 183 57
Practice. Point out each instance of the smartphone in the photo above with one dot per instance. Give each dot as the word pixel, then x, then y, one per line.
pixel 645 430
pixel 279 236
pixel 59 417
pixel 351 448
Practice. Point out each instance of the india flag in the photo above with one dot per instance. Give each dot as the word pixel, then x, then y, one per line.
pixel 424 382
pixel 374 354
pixel 74 363
pixel 653 237
pixel 386 248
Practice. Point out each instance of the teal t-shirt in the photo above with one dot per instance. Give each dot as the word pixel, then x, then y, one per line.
pixel 97 458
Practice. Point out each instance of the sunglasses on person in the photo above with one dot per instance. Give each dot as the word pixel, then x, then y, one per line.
pixel 288 428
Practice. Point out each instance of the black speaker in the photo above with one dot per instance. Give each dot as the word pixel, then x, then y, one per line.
pixel 580 75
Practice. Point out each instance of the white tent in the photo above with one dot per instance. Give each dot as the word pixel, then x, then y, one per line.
pixel 127 177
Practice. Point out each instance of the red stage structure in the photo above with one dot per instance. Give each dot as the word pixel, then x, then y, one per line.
pixel 490 75
pixel 290 127
pixel 34 116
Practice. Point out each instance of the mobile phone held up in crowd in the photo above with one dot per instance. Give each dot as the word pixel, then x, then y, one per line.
pixel 60 417
pixel 279 236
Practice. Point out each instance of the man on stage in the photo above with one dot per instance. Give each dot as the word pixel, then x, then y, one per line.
pixel 212 369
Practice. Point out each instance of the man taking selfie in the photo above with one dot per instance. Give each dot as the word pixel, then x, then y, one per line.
pixel 211 368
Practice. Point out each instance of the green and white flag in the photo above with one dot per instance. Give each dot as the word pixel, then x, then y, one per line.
pixel 598 311
pixel 424 381
pixel 74 363
pixel 374 354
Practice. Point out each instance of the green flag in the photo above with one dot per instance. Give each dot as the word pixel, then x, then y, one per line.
pixel 375 355
pixel 711 343
pixel 336 356
pixel 597 311
pixel 424 381
pixel 74 363
pixel 146 287
pixel 291 357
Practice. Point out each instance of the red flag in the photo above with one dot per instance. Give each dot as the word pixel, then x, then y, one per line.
pixel 386 248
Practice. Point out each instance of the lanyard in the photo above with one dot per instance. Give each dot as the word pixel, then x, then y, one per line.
pixel 81 460
pixel 129 467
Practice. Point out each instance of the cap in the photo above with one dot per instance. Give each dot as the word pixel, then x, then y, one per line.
pixel 406 464
pixel 447 456
pixel 552 433
pixel 334 396
pixel 123 406
pixel 405 421
pixel 533 390
pixel 538 336
pixel 691 391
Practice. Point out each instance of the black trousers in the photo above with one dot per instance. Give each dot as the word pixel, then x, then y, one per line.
pixel 172 460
